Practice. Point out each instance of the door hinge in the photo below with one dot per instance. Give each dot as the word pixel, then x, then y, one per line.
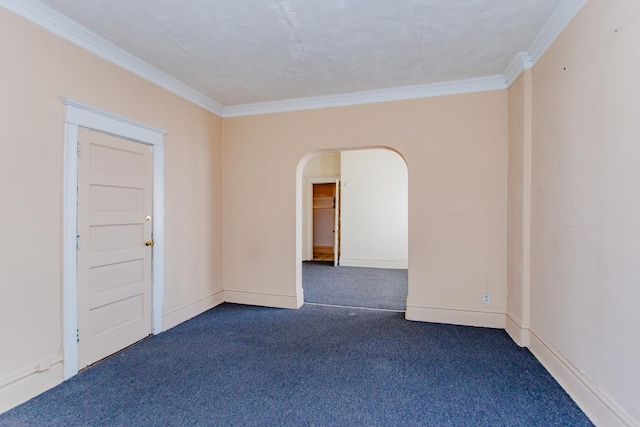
pixel 78 335
pixel 78 148
pixel 77 242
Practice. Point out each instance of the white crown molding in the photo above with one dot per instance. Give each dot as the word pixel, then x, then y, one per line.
pixel 522 61
pixel 44 16
pixel 369 97
pixel 65 27
pixel 560 18
pixel 564 13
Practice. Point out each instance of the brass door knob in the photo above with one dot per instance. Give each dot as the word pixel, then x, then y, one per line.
pixel 149 243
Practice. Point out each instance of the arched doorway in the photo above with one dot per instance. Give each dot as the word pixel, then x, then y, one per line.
pixel 366 191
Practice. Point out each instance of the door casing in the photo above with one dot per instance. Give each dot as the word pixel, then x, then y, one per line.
pixel 309 181
pixel 83 115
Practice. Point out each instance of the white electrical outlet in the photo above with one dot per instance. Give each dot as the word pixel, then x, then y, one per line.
pixel 486 298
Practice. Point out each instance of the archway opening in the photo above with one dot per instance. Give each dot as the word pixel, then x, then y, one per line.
pixel 353 228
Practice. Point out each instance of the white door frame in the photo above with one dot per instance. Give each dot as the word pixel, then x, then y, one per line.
pixel 331 179
pixel 82 115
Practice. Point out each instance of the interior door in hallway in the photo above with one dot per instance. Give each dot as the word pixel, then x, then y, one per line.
pixel 114 244
pixel 325 222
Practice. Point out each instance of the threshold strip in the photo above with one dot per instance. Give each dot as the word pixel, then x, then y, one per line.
pixel 355 308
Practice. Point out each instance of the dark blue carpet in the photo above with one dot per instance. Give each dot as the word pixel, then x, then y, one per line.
pixel 318 366
pixel 354 286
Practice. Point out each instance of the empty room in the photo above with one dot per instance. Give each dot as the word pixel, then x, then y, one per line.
pixel 155 212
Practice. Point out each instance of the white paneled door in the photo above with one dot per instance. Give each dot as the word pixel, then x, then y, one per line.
pixel 114 244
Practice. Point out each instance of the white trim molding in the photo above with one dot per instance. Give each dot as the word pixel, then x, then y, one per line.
pixel 564 13
pixel 522 61
pixel 63 26
pixel 456 316
pixel 19 386
pixel 70 256
pixel 173 316
pixel 264 299
pixel 94 118
pixel 496 82
pixel 375 263
pixel 82 115
pixel 518 333
pixel 72 31
pixel 593 402
pixel 42 366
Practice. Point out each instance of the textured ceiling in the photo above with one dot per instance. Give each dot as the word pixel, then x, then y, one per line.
pixel 247 51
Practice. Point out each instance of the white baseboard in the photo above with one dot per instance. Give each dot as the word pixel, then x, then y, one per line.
pixel 515 330
pixel 265 299
pixel 456 316
pixel 175 316
pixel 27 383
pixel 350 262
pixel 300 298
pixel 599 408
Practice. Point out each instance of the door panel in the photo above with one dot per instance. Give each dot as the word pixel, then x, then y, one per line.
pixel 115 238
pixel 113 276
pixel 115 315
pixel 108 200
pixel 114 264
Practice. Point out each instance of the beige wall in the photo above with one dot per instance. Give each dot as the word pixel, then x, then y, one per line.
pixel 374 209
pixel 38 69
pixel 585 209
pixel 519 210
pixel 456 152
pixel 322 165
pixel 568 128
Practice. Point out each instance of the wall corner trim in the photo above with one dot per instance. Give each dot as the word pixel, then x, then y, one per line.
pixel 522 61
pixel 598 407
pixel 59 24
pixel 518 333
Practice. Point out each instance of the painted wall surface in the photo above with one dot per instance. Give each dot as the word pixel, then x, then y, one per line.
pixel 519 210
pixel 456 153
pixel 374 217
pixel 320 165
pixel 515 227
pixel 38 69
pixel 585 207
